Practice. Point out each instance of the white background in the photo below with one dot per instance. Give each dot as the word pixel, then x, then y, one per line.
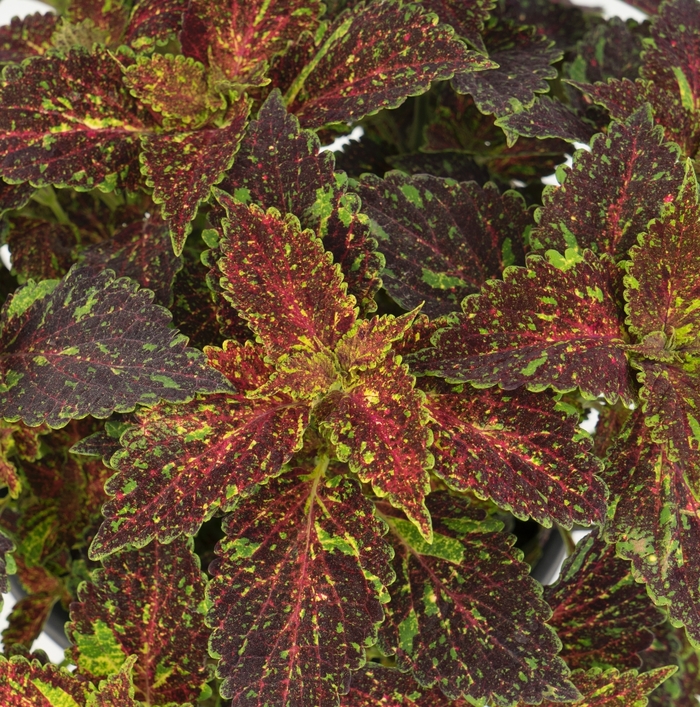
pixel 12 8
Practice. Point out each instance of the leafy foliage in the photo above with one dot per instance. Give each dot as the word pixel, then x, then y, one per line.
pixel 289 427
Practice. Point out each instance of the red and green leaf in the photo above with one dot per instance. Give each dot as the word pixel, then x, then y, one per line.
pixel 182 167
pixel 297 591
pixel 86 134
pixel 116 689
pixel 601 615
pixel 91 345
pixel 442 240
pixel 519 449
pixel 467 18
pixel 137 606
pixel 109 17
pixel 373 57
pixel 238 38
pixel 555 323
pixel 27 36
pixel 154 22
pixel 279 165
pixel 655 521
pixel 281 280
pixel 141 251
pixel 524 60
pixel 612 192
pixel 612 688
pixel 180 464
pixel 662 287
pixel 464 614
pixel 27 619
pixel 379 426
pixel 29 684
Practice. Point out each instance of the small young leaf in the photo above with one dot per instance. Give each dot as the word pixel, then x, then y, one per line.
pixel 379 428
pixel 553 323
pixel 517 449
pixel 91 345
pixel 182 167
pixel 181 464
pixel 464 614
pixel 281 280
pixel 375 56
pixel 297 591
pixel 442 240
pixel 524 60
pixel 601 615
pixel 137 606
pixel 612 192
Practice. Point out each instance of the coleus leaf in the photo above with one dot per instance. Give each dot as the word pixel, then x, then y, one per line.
pixel 654 520
pixel 181 464
pixel 29 684
pixel 40 250
pixel 7 563
pixel 135 606
pixel 373 57
pixel 601 615
pixel 464 614
pixel 141 251
pixel 117 689
pixel 27 619
pixel 14 196
pixel 661 286
pixel 524 61
pixel 17 441
pixel 86 134
pixel 91 345
pixel 611 193
pixel 518 449
pixel 467 18
pixel 555 323
pixel 237 39
pixel 109 17
pixel 380 428
pixel 297 590
pixel 27 36
pixel 281 281
pixel 182 167
pixel 154 22
pixel 442 240
pixel 279 165
pixel 612 688
pixel 563 23
pixel 175 87
pixel 378 685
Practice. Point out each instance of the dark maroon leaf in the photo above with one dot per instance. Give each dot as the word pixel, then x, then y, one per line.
pixel 86 136
pixel 518 449
pixel 25 37
pixel 14 196
pixel 143 252
pixel 279 165
pixel 374 57
pixel 91 345
pixel 562 21
pixel 452 165
pixel 464 614
pixel 180 464
pixel 555 323
pixel 467 18
pixel 147 603
pixel 297 590
pixel 524 61
pixel 611 193
pixel 601 615
pixel 154 21
pixel 442 240
pixel 183 167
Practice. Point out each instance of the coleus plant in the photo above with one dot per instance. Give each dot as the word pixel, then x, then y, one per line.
pixel 284 427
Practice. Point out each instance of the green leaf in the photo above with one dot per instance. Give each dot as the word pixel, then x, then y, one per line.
pixel 149 604
pixel 379 426
pixel 473 623
pixel 601 615
pixel 297 591
pixel 518 449
pixel 442 240
pixel 553 323
pixel 91 346
pixel 373 57
pixel 612 192
pixel 281 280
